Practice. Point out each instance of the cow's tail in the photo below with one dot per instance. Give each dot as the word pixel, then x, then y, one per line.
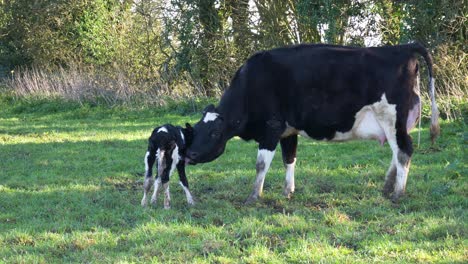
pixel 435 128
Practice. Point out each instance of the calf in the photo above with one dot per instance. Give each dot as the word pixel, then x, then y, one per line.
pixel 167 144
pixel 324 92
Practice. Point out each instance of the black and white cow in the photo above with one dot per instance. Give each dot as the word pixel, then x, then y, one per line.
pixel 324 92
pixel 168 145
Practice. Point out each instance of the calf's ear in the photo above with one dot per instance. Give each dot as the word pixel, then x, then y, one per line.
pixel 188 127
pixel 209 108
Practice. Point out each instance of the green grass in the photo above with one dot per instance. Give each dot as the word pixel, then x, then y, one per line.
pixel 71 184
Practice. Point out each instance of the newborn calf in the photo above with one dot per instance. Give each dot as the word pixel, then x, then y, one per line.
pixel 167 144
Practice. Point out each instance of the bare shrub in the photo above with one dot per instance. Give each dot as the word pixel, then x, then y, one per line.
pixel 88 85
pixel 451 74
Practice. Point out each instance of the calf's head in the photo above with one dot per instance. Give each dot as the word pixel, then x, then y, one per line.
pixel 210 136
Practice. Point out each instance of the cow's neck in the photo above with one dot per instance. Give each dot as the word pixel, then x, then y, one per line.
pixel 232 107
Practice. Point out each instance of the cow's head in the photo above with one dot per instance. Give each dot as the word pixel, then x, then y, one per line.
pixel 210 136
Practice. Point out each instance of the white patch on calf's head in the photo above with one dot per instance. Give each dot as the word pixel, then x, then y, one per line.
pixel 163 129
pixel 209 116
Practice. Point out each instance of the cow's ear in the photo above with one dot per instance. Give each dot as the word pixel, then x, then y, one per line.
pixel 188 127
pixel 209 108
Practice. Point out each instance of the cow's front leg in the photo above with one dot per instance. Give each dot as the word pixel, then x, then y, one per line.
pixel 288 149
pixel 264 158
pixel 184 182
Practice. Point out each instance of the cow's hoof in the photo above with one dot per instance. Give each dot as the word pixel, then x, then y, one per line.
pixel 288 192
pixel 252 199
pixel 153 200
pixel 144 202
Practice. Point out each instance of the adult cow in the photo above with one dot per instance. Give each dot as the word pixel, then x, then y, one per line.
pixel 324 92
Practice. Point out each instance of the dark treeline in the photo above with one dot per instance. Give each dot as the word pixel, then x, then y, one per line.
pixel 195 46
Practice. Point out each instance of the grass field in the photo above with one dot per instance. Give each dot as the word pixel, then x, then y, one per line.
pixel 71 183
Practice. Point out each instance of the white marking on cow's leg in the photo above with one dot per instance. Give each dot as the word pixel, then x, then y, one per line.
pixel 289 183
pixel 390 178
pixel 210 117
pixel 386 116
pixel 264 159
pixel 189 196
pixel 167 196
pixel 157 184
pixel 402 165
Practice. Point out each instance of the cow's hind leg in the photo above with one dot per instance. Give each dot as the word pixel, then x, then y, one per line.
pixel 390 179
pixel 288 149
pixel 402 149
pixel 405 150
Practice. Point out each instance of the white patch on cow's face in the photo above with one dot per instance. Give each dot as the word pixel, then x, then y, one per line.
pixel 187 194
pixel 163 129
pixel 210 117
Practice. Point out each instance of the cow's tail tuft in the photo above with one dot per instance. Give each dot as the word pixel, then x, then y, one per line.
pixel 435 128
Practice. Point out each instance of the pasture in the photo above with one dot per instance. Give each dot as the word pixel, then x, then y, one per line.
pixel 71 184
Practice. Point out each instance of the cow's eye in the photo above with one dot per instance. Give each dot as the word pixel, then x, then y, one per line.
pixel 215 134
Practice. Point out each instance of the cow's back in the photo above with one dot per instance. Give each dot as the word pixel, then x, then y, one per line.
pixel 320 86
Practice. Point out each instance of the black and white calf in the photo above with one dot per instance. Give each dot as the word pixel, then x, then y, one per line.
pixel 324 92
pixel 167 145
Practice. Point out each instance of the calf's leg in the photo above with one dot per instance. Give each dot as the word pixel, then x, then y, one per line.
pixel 161 170
pixel 150 158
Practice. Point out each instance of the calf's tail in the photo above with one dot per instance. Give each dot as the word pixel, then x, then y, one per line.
pixel 435 128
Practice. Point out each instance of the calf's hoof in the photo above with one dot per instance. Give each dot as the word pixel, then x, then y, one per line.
pixel 395 197
pixel 191 202
pixel 252 199
pixel 144 202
